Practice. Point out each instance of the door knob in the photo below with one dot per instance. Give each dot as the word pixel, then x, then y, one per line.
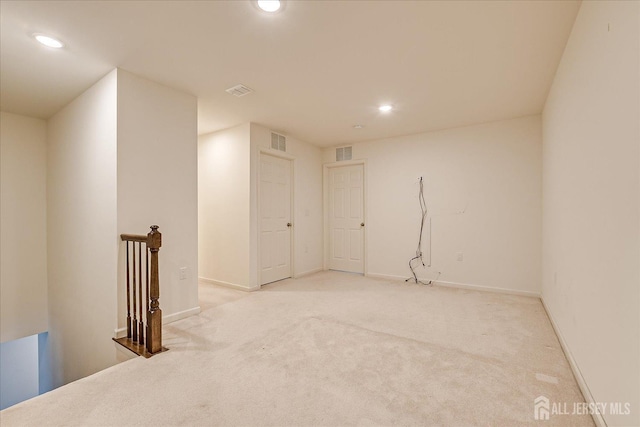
pixel 288 224
pixel 362 224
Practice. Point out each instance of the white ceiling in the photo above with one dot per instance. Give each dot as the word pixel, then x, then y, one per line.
pixel 317 68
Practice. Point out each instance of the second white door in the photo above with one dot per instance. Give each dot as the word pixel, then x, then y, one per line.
pixel 275 218
pixel 346 218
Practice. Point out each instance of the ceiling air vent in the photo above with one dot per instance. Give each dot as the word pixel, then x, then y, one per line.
pixel 343 153
pixel 239 90
pixel 278 142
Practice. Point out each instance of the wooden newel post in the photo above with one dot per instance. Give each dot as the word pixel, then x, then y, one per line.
pixel 154 314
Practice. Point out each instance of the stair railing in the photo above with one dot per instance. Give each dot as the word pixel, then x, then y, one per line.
pixel 144 327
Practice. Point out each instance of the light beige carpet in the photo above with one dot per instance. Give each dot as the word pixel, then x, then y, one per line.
pixel 332 349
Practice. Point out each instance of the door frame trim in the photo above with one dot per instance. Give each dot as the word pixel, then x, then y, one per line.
pixel 292 162
pixel 325 209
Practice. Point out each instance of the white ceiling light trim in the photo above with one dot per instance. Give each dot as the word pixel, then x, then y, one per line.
pixel 48 40
pixel 270 6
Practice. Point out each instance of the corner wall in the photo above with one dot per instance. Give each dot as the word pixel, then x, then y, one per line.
pixel 157 184
pixel 482 186
pixel 307 201
pixel 121 156
pixel 223 206
pixel 591 234
pixel 23 225
pixel 227 205
pixel 82 233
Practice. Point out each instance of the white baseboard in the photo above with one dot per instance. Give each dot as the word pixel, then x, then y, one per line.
pixel 228 284
pixel 467 286
pixel 384 276
pixel 598 419
pixel 169 318
pixel 486 289
pixel 307 273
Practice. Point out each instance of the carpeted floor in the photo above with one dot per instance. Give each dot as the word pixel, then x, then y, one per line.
pixel 332 349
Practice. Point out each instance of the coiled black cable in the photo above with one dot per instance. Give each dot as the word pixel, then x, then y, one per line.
pixel 423 210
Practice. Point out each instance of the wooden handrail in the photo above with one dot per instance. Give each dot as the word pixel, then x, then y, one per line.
pixel 142 340
pixel 134 238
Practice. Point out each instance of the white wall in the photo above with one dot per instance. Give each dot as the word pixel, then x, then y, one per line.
pixel 307 201
pixel 228 218
pixel 591 129
pixel 223 206
pixel 157 184
pixel 482 186
pixel 121 157
pixel 23 227
pixel 82 232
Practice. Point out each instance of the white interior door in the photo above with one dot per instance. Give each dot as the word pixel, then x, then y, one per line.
pixel 275 218
pixel 346 218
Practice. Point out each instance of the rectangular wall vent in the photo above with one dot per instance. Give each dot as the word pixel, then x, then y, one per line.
pixel 278 142
pixel 239 90
pixel 343 153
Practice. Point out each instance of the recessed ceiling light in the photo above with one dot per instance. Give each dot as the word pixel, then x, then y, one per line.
pixel 385 108
pixel 48 41
pixel 358 126
pixel 269 5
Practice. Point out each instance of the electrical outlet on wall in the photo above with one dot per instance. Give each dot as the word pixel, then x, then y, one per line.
pixel 183 273
pixel 459 256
